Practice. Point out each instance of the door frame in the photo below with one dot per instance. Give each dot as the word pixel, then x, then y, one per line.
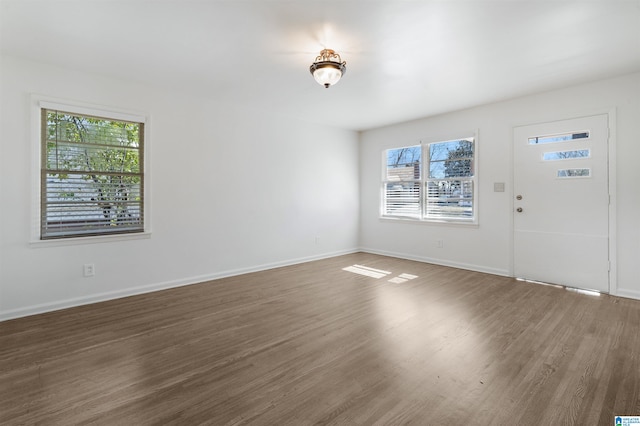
pixel 611 159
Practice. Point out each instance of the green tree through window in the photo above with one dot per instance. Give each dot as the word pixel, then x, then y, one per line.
pixel 92 175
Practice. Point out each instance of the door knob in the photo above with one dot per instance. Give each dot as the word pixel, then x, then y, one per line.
pixel 519 209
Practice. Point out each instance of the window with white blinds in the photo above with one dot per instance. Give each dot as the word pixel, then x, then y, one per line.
pixel 92 175
pixel 402 184
pixel 432 181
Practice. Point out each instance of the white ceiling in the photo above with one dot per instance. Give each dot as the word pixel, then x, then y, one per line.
pixel 405 59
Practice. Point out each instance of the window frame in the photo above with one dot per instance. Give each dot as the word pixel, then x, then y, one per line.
pixel 425 163
pixel 40 103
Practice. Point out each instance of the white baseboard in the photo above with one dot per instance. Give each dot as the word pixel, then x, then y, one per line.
pixel 459 265
pixel 101 297
pixel 630 294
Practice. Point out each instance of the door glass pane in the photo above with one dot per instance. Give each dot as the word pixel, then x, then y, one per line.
pixel 566 155
pixel 565 173
pixel 558 138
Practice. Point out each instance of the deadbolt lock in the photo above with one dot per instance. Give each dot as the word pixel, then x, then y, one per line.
pixel 518 197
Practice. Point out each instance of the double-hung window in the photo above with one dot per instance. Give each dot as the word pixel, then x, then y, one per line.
pixel 91 174
pixel 433 181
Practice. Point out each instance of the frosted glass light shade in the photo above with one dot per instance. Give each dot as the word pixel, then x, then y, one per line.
pixel 327 75
pixel 328 68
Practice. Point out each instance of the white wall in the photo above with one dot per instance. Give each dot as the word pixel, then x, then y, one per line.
pixel 232 191
pixel 488 247
pixel 224 202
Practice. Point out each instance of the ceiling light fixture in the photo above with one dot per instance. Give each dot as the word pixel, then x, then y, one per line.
pixel 328 68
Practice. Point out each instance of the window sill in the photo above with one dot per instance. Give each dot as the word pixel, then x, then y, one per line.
pixel 437 222
pixel 89 240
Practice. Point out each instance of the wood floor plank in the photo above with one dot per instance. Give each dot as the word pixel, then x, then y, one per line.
pixel 314 344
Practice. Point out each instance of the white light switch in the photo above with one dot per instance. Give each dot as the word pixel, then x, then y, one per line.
pixel 498 187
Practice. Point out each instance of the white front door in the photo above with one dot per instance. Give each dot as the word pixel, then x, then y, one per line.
pixel 561 222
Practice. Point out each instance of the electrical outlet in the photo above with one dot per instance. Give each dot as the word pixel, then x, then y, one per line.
pixel 439 243
pixel 89 269
pixel 317 240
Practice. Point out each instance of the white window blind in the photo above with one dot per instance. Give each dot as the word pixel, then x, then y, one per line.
pixel 432 181
pixel 450 181
pixel 92 175
pixel 402 187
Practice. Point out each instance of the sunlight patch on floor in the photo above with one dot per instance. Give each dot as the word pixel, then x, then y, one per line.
pixel 379 273
pixel 575 290
pixel 402 278
pixel 581 291
pixel 539 282
pixel 365 270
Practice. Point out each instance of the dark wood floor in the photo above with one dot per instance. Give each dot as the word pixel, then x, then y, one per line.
pixel 314 344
